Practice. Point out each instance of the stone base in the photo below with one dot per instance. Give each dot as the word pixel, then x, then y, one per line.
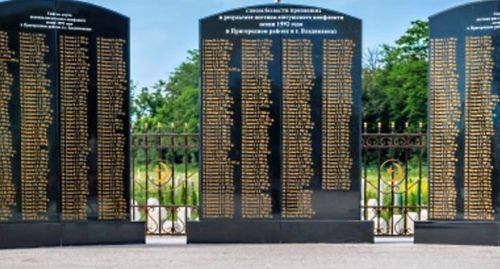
pixel 46 234
pixel 275 231
pixel 458 233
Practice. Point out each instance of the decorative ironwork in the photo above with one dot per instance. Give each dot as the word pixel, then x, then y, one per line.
pixel 164 181
pixel 394 180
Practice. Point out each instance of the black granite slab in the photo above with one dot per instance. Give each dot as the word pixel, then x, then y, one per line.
pixel 102 233
pixel 336 211
pixel 458 233
pixel 52 234
pixel 53 19
pixel 457 25
pixel 275 232
pixel 29 234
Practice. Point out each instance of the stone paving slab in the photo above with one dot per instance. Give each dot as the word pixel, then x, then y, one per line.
pixel 175 254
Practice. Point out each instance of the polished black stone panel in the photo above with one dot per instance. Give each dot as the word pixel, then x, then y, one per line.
pixel 322 34
pixel 29 234
pixel 32 234
pixel 102 232
pixel 280 126
pixel 464 126
pixel 274 231
pixel 458 233
pixel 327 231
pixel 467 38
pixel 65 125
pixel 233 231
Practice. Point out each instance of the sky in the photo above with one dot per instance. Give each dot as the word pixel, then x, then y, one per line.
pixel 162 31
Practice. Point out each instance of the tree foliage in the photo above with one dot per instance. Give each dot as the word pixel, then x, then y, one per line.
pixel 395 79
pixel 394 88
pixel 170 105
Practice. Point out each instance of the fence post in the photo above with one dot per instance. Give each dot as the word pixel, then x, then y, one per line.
pixel 146 171
pixel 420 160
pixel 379 178
pixel 133 203
pixel 365 173
pixel 160 181
pixel 404 206
pixel 186 162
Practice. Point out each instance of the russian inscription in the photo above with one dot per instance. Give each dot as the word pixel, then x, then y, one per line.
pixel 444 116
pixel 256 120
pixel 479 131
pixel 74 88
pixel 218 168
pixel 280 122
pixel 7 190
pixel 36 117
pixel 297 171
pixel 64 124
pixel 111 129
pixel 337 112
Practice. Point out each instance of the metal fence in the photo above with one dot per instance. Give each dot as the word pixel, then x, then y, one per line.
pixel 164 181
pixel 165 188
pixel 395 189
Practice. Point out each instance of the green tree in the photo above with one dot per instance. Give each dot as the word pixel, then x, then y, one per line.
pixel 375 101
pixel 170 105
pixel 395 87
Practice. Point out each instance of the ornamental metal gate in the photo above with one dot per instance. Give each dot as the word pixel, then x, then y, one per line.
pixel 165 189
pixel 164 181
pixel 394 180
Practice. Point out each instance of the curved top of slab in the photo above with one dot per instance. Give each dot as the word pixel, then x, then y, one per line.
pixel 14 3
pixel 280 5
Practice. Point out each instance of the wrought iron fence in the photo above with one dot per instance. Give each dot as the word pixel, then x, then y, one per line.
pixel 164 181
pixel 395 189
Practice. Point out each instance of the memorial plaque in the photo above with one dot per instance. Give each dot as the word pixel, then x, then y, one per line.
pixel 218 187
pixel 64 122
pixel 445 115
pixel 256 120
pixel 464 126
pixel 8 192
pixel 280 124
pixel 297 126
pixel 74 85
pixel 36 118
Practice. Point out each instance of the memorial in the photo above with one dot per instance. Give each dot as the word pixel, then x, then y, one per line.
pixel 464 127
pixel 64 125
pixel 280 127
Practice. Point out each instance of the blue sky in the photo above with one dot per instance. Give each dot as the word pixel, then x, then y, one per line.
pixel 163 30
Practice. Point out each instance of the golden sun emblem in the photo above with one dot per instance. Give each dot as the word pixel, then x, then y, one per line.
pixel 394 171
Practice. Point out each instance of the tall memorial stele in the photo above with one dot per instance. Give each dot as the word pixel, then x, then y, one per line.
pixel 280 127
pixel 64 125
pixel 464 127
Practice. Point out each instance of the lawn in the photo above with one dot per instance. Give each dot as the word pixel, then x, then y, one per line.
pixel 182 191
pixel 411 192
pixel 186 190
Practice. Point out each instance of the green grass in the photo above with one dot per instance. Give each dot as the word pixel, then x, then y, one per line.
pixel 404 194
pixel 183 190
pixel 186 191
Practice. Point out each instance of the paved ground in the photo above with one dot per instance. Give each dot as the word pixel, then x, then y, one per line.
pixel 174 254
